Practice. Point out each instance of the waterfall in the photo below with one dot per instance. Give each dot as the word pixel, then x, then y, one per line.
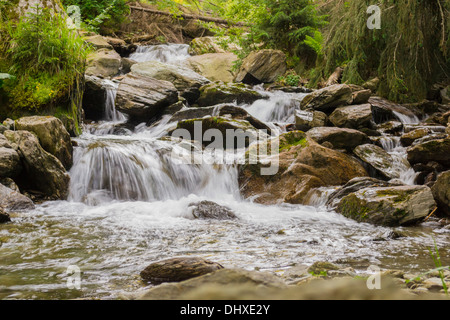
pixel 166 53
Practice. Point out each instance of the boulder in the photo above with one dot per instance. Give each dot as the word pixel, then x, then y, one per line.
pixel 13 201
pixel 42 171
pixel 97 42
pixel 441 192
pixel 340 138
pixel 361 96
pixel 352 186
pixel 211 210
pixel 103 63
pixel 408 138
pixel 327 99
pixel 186 81
pixel 213 66
pixel 301 165
pixel 143 98
pixel 263 66
pixel 388 206
pixel 305 120
pixel 10 165
pixel 121 46
pixel 52 136
pixel 354 117
pixel 229 129
pixel 127 64
pixel 178 269
pixel 205 45
pixel 434 150
pixel 219 92
pixel 384 110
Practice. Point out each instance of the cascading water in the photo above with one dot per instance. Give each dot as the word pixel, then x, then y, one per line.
pixel 130 195
pixel 167 53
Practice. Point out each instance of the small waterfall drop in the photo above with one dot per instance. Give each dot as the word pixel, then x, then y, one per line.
pixel 166 53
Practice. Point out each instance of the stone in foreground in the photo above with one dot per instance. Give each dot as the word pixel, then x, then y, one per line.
pixel 178 269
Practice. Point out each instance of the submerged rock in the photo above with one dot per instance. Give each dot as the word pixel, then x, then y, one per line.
pixel 441 192
pixel 388 206
pixel 328 98
pixel 186 81
pixel 219 92
pixel 52 136
pixel 178 269
pixel 143 98
pixel 211 210
pixel 263 66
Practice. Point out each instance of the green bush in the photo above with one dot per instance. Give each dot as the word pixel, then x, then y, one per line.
pixel 46 58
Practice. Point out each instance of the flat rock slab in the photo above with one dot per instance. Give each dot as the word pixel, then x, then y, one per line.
pixel 178 269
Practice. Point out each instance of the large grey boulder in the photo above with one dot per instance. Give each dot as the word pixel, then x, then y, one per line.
pixel 263 66
pixel 142 97
pixel 328 98
pixel 354 116
pixel 13 201
pixel 435 150
pixel 213 66
pixel 388 206
pixel 219 92
pixel 340 138
pixel 184 79
pixel 178 269
pixel 42 171
pixel 52 136
pixel 441 192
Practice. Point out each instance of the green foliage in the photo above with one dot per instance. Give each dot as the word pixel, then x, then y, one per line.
pixel 290 79
pixel 409 53
pixel 46 58
pixel 97 14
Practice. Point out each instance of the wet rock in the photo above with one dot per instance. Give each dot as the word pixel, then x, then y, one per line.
pixel 340 138
pixel 302 165
pixel 206 45
pixel 322 267
pixel 219 92
pixel 361 96
pixel 42 171
pixel 127 64
pixel 211 210
pixel 378 159
pixel 390 127
pixel 10 165
pixel 388 206
pixel 121 46
pixel 384 110
pixel 13 201
pixel 441 192
pixel 4 217
pixel 242 129
pixel 143 98
pixel 434 150
pixel 186 81
pixel 327 99
pixel 407 139
pixel 94 98
pixel 263 66
pixel 222 277
pixel 103 63
pixel 178 269
pixel 98 42
pixel 354 117
pixel 305 120
pixel 52 136
pixel 213 66
pixel 352 186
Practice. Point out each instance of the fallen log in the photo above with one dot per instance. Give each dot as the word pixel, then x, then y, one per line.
pixel 189 16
